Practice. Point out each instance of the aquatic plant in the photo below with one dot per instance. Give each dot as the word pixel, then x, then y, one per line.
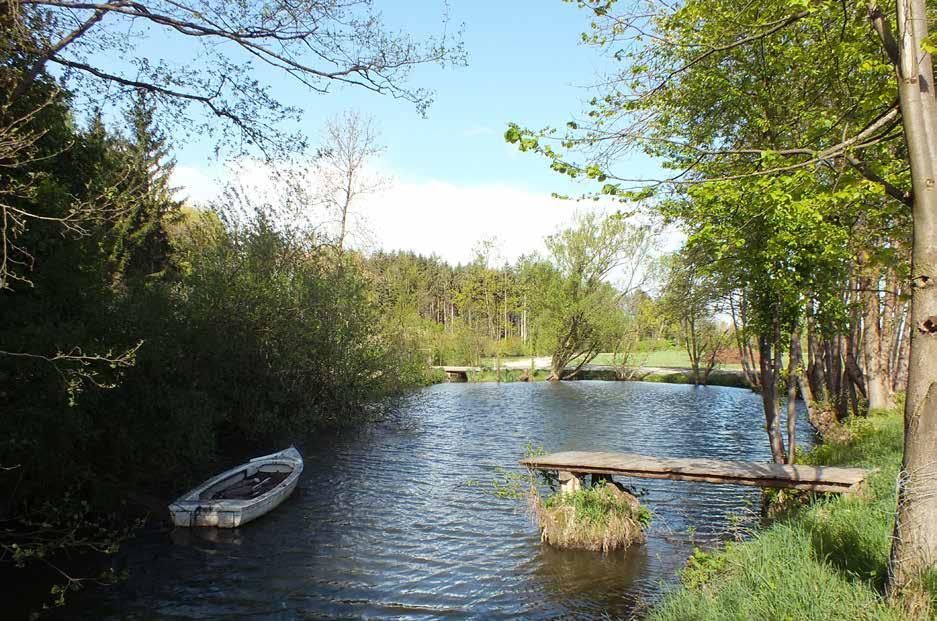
pixel 603 517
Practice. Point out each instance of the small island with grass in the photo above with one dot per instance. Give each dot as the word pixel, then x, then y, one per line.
pixel 601 517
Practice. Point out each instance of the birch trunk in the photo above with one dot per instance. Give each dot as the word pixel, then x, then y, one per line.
pixel 914 546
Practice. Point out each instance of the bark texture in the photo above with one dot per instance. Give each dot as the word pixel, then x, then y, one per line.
pixel 914 547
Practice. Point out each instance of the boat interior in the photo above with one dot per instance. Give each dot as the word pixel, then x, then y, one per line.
pixel 247 483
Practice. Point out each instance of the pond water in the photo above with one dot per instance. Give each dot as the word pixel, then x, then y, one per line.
pixel 399 522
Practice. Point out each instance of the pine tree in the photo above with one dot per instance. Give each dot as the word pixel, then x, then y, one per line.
pixel 141 245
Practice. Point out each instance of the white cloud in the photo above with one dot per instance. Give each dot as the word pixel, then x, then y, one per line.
pixel 433 216
pixel 436 217
pixel 195 185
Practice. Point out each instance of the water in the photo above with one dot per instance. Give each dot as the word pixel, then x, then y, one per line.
pixel 390 523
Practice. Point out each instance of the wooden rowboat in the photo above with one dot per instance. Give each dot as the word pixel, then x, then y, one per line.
pixel 242 494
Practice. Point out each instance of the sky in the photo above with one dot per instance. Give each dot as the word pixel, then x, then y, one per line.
pixel 453 178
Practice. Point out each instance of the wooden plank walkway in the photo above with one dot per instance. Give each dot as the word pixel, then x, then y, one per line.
pixel 756 474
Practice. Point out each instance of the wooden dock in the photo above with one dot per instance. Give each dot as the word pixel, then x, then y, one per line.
pixel 572 464
pixel 457 374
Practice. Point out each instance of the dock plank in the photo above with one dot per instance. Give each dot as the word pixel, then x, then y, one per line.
pixel 757 474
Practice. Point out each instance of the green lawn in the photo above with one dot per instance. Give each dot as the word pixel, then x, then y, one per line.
pixel 656 358
pixel 826 560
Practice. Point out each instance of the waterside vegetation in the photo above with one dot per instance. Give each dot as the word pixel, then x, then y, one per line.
pixel 796 143
pixel 825 559
pixel 601 518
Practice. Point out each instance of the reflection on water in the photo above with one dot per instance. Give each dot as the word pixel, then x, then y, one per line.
pixel 383 524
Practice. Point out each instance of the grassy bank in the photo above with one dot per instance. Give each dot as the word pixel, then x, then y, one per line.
pixel 822 561
pixel 665 376
pixel 660 357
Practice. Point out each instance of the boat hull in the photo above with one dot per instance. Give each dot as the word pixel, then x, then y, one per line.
pixel 190 510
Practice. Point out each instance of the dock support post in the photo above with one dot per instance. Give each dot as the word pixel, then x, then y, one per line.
pixel 569 482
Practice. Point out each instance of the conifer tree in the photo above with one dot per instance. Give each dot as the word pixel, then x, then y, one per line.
pixel 141 244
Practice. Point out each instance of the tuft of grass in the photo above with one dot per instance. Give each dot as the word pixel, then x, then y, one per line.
pixel 594 518
pixel 826 560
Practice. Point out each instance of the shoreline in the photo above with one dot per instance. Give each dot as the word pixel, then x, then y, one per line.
pixel 664 375
pixel 818 557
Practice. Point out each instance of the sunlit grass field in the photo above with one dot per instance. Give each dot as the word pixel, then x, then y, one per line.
pixel 676 358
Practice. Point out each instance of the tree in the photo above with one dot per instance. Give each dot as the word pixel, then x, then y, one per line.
pixel 140 244
pixel 781 91
pixel 690 298
pixel 317 43
pixel 350 146
pixel 582 310
pixel 216 93
pixel 914 548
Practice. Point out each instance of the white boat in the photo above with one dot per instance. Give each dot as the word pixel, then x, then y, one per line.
pixel 242 494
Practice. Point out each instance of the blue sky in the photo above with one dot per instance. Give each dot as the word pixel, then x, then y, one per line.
pixel 525 64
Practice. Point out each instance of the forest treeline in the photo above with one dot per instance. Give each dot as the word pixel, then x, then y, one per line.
pixel 590 290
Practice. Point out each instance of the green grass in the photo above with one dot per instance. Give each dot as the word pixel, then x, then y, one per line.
pixel 507 375
pixel 492 361
pixel 595 506
pixel 825 560
pixel 676 358
pixel 592 518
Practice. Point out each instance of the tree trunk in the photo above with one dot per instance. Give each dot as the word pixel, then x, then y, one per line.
pixel 691 345
pixel 900 341
pixel 819 416
pixel 914 545
pixel 769 397
pixel 835 376
pixel 557 366
pixel 874 347
pixel 815 365
pixel 793 363
pixel 748 368
pixel 853 372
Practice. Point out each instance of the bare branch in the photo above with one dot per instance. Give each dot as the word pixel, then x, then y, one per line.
pixel 30 74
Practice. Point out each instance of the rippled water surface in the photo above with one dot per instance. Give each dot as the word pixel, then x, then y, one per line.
pixel 398 522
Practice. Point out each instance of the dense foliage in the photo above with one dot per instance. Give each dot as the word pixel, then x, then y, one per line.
pixel 157 335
